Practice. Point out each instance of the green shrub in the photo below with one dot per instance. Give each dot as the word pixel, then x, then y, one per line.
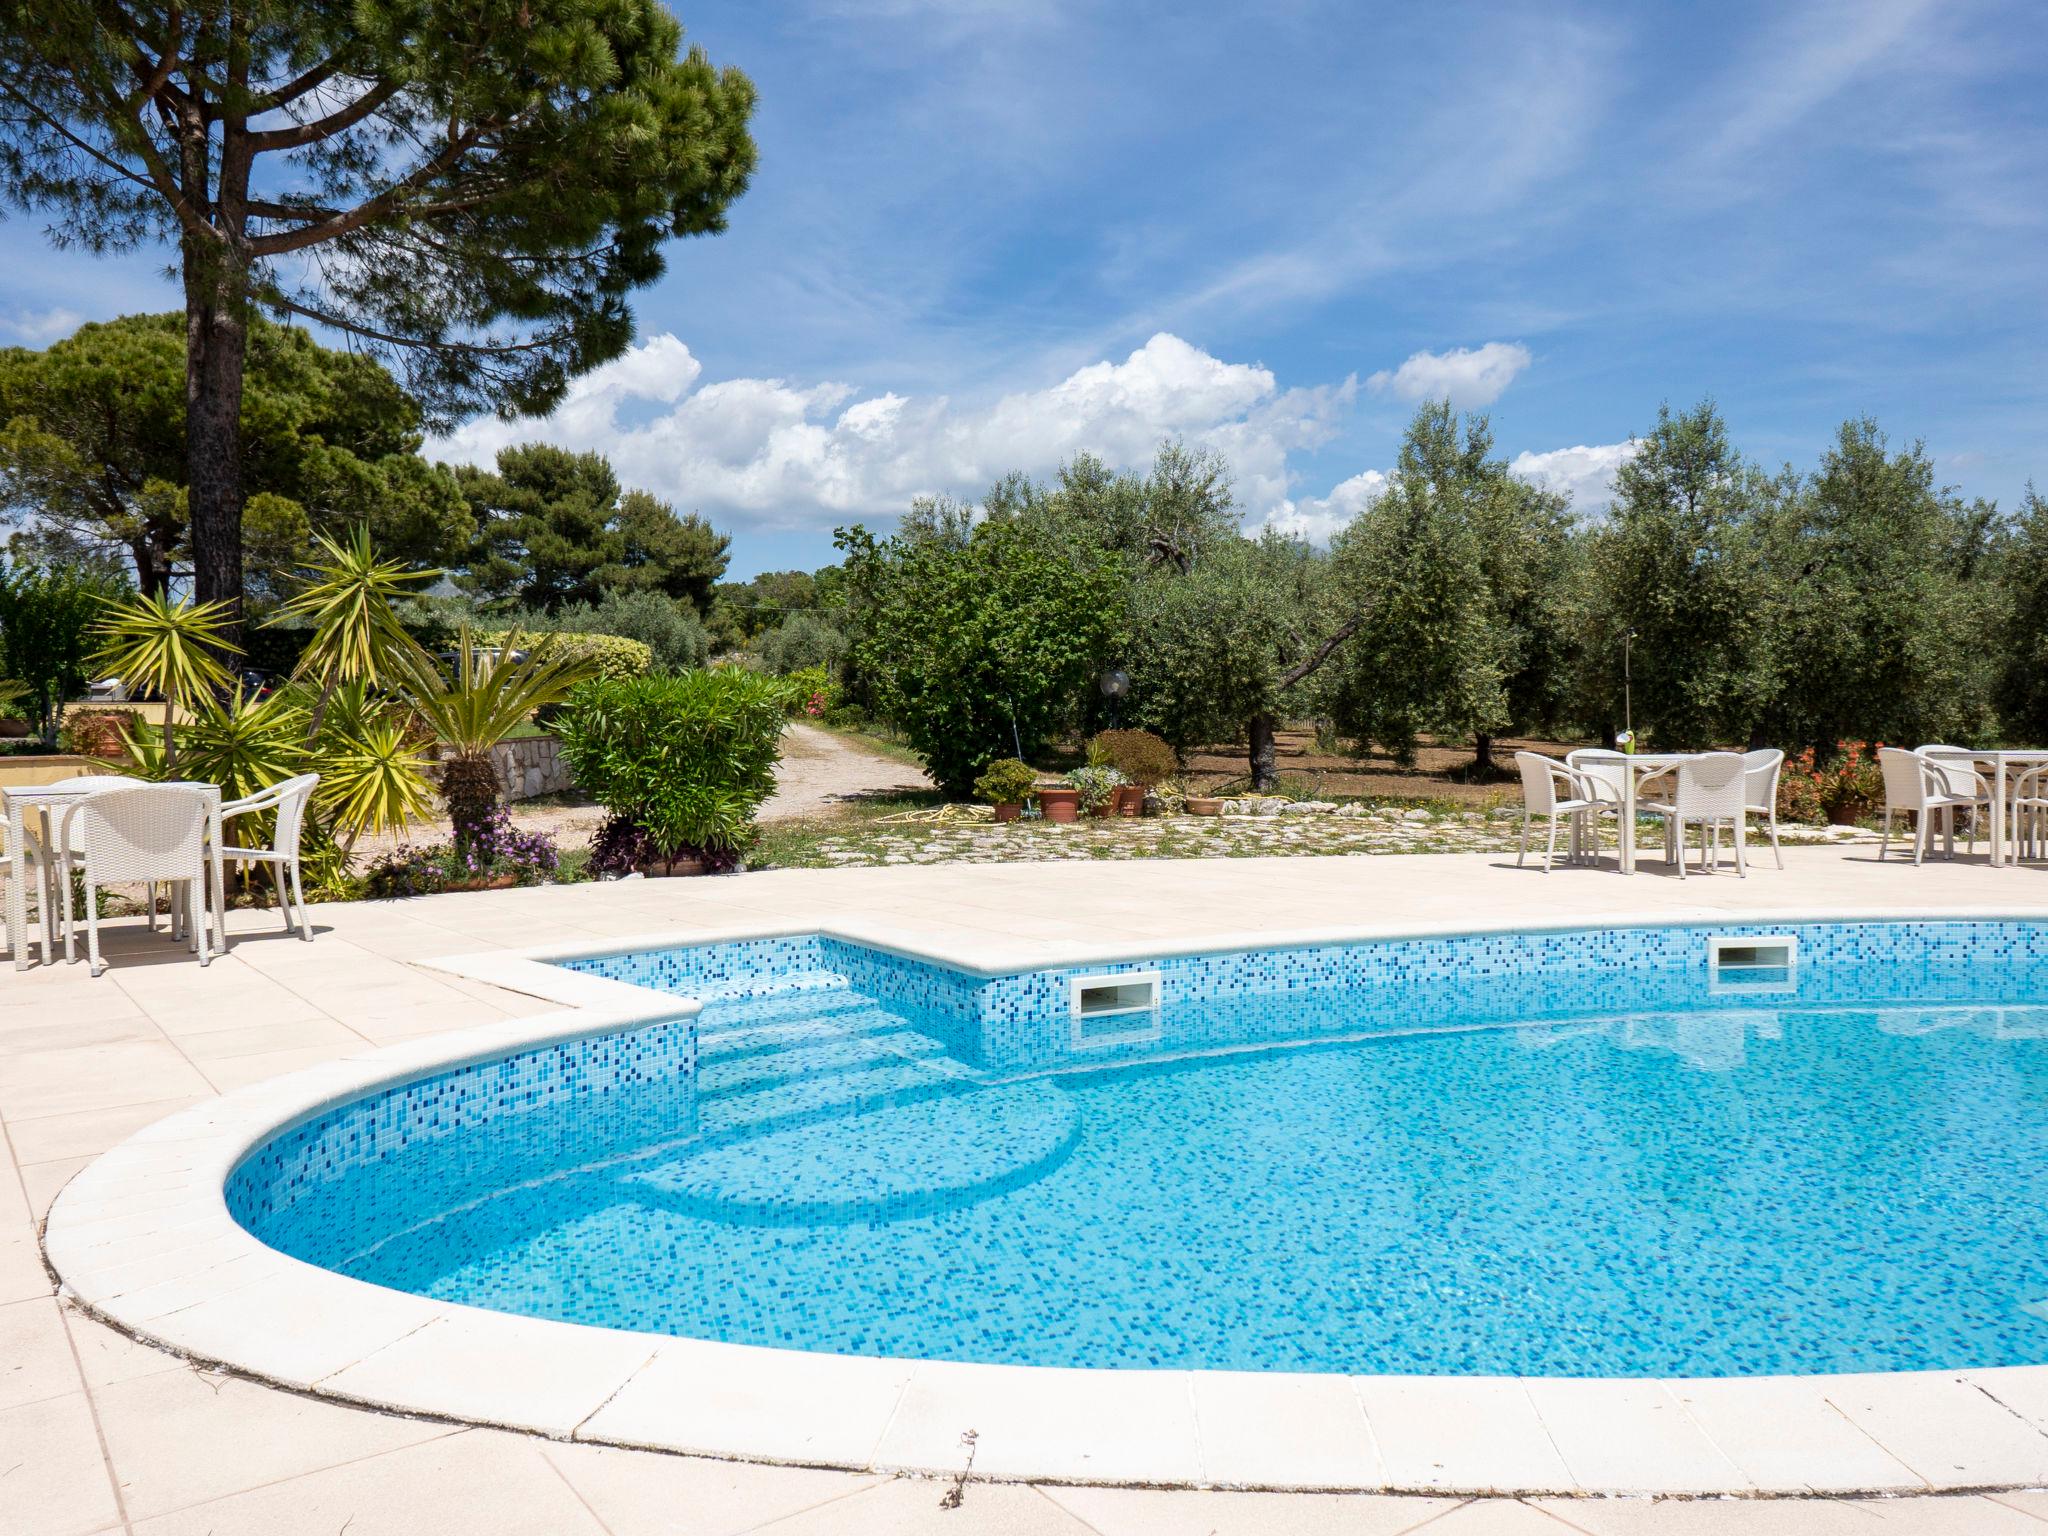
pixel 686 758
pixel 801 642
pixel 614 656
pixel 1006 782
pixel 1139 756
pixel 668 627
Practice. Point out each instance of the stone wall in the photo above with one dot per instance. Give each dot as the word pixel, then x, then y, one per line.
pixel 530 766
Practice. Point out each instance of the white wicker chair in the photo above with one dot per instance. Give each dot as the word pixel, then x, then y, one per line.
pixel 1921 787
pixel 289 800
pixel 1965 784
pixel 1709 791
pixel 1541 780
pixel 1760 771
pixel 152 834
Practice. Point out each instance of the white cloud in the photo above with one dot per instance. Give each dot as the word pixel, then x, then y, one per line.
pixel 1318 518
pixel 1466 376
pixel 1586 474
pixel 775 453
pixel 40 327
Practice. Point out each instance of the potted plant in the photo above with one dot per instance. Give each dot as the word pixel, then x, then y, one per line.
pixel 1097 785
pixel 1006 784
pixel 1144 760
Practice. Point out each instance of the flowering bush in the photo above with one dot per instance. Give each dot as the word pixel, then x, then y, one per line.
pixel 622 846
pixel 1847 787
pixel 498 853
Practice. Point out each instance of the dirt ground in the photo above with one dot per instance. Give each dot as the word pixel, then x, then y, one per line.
pixel 1439 772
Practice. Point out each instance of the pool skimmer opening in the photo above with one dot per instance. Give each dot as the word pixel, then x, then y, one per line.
pixel 1766 964
pixel 1116 1008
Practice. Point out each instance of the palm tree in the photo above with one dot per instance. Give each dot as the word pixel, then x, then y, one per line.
pixel 155 645
pixel 357 636
pixel 495 690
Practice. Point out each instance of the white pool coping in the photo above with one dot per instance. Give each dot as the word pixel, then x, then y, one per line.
pixel 143 1239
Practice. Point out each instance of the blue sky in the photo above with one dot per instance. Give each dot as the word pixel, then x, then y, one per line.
pixel 986 234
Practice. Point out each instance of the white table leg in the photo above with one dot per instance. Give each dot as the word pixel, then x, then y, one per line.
pixel 1627 855
pixel 17 888
pixel 1997 838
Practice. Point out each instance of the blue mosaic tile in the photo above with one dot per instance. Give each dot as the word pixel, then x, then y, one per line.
pixel 1558 1153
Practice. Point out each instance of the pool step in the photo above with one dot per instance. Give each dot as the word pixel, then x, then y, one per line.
pixel 821 1058
pixel 893 1162
pixel 849 1091
pixel 720 1041
pixel 761 989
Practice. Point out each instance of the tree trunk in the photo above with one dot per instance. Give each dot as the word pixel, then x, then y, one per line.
pixel 1265 754
pixel 152 571
pixel 1482 756
pixel 1610 736
pixel 216 339
pixel 470 786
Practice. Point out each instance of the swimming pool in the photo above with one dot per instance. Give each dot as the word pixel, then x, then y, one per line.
pixel 1554 1154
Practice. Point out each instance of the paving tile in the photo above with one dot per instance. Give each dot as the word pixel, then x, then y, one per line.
pixel 21 1267
pixel 1784 1433
pixel 1150 1512
pixel 53 1477
pixel 1496 1517
pixel 64 1081
pixel 240 1071
pixel 1462 1434
pixel 1788 1517
pixel 1949 1431
pixel 181 1437
pixel 914 1506
pixel 90 1132
pixel 640 1493
pixel 1631 1437
pixel 498 1369
pixel 41 1181
pixel 1053 1423
pixel 107 1356
pixel 469 1482
pixel 35 1353
pixel 1283 1431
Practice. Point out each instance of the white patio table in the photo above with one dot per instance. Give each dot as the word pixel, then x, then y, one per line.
pixel 1633 770
pixel 41 807
pixel 2000 766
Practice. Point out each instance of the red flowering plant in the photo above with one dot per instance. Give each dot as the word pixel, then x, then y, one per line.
pixel 1845 788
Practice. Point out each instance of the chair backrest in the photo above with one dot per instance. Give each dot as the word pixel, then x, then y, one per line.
pixel 1711 784
pixel 1760 770
pixel 1608 769
pixel 154 832
pixel 1539 786
pixel 292 798
pixel 1905 777
pixel 1958 772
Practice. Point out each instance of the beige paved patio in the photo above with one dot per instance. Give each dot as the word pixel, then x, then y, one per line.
pixel 100 1434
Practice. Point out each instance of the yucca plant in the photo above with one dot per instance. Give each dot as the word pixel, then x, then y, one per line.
pixel 373 775
pixel 494 691
pixel 176 649
pixel 357 636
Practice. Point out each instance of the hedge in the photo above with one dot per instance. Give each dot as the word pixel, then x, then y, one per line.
pixel 615 656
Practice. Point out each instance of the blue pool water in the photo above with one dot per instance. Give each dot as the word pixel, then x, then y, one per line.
pixel 1547 1155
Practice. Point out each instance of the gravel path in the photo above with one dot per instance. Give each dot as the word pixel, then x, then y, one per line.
pixel 819 771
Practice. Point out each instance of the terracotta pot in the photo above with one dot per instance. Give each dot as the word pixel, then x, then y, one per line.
pixel 660 869
pixel 1204 805
pixel 1060 804
pixel 1130 800
pixel 1847 814
pixel 1009 812
pixel 484 883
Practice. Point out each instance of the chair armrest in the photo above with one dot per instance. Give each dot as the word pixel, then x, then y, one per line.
pixel 262 800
